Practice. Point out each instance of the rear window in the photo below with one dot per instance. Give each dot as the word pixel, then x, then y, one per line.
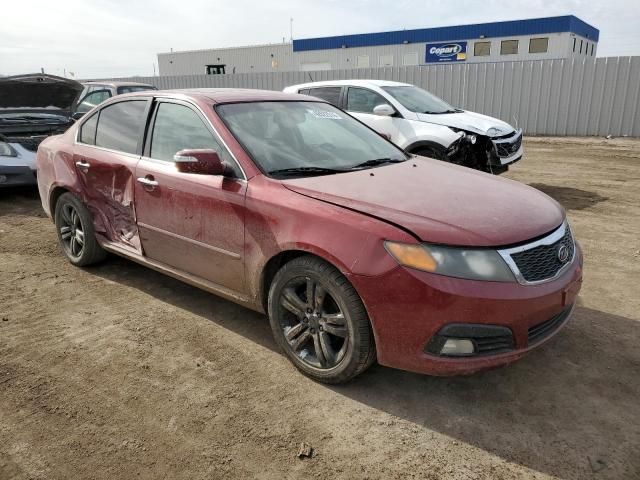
pixel 120 125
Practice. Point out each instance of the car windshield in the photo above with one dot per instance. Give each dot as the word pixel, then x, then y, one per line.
pixel 418 100
pixel 305 138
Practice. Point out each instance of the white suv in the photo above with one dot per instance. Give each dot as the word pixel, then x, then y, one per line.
pixel 423 124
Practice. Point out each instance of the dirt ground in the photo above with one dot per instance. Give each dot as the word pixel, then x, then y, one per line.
pixel 119 372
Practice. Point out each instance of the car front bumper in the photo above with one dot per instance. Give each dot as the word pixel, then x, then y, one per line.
pixel 408 308
pixel 16 176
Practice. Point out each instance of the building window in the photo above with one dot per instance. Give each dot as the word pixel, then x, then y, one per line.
pixel 539 45
pixel 592 49
pixel 581 42
pixel 409 59
pixel 215 69
pixel 509 47
pixel 482 49
pixel 386 60
pixel 574 44
pixel 362 61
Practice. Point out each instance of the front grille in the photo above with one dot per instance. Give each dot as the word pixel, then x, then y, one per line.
pixel 508 148
pixel 493 345
pixel 543 262
pixel 29 143
pixel 539 332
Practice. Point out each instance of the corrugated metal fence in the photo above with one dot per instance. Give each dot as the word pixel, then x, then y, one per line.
pixel 544 97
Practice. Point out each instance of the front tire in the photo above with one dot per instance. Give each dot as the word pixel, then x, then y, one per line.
pixel 76 233
pixel 320 322
pixel 431 151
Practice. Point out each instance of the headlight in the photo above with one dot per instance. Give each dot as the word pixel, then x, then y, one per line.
pixel 7 150
pixel 472 264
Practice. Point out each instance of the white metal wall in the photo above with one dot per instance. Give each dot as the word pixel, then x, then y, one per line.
pixel 576 96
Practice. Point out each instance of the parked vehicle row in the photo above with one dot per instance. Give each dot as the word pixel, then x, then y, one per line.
pixel 32 107
pixel 423 124
pixel 286 204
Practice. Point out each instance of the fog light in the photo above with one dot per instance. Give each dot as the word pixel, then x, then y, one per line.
pixel 457 346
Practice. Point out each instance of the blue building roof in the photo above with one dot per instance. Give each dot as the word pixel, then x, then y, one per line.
pixel 533 26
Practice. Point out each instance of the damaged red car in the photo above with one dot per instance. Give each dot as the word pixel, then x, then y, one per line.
pixel 283 203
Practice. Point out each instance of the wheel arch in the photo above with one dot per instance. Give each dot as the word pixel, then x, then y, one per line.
pixel 55 194
pixel 273 265
pixel 415 146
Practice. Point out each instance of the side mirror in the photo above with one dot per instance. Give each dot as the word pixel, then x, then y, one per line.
pixel 203 162
pixel 78 115
pixel 384 110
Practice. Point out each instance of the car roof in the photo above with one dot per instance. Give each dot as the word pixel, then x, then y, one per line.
pixel 225 95
pixel 118 84
pixel 354 82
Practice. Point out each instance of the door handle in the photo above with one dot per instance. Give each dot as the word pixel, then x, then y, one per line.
pixel 82 164
pixel 148 182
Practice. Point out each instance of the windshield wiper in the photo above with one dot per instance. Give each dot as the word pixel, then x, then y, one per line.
pixel 376 162
pixel 305 170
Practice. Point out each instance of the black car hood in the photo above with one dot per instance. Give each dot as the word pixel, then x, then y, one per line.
pixel 38 93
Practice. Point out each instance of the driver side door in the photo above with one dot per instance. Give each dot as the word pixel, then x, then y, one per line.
pixel 189 221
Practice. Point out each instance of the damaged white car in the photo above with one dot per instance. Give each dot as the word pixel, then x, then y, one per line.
pixel 423 124
pixel 32 107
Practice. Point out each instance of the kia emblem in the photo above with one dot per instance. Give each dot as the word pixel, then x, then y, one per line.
pixel 563 254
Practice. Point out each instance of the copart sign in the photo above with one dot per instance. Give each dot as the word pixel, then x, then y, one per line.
pixel 446 52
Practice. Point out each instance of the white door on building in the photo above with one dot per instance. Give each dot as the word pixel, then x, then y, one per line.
pixel 315 66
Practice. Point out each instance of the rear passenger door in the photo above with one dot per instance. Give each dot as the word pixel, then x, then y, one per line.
pixel 108 148
pixel 192 222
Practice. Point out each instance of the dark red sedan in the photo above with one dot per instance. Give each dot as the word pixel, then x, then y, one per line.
pixel 289 206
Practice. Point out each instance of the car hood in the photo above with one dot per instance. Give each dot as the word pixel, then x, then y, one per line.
pixel 469 121
pixel 38 93
pixel 440 202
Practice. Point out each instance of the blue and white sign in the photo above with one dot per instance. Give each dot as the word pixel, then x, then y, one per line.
pixel 446 52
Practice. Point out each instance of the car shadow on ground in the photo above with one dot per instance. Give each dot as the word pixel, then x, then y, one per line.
pixel 571 406
pixel 570 198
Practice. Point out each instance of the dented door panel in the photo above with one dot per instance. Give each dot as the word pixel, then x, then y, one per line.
pixel 106 181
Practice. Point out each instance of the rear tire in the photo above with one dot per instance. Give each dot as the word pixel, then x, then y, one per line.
pixel 76 234
pixel 320 322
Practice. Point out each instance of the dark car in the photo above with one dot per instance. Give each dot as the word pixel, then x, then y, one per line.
pixel 290 206
pixel 32 107
pixel 95 93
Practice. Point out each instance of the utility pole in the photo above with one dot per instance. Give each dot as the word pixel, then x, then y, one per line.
pixel 291 29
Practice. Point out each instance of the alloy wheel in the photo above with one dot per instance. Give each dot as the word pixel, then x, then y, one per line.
pixel 72 231
pixel 314 326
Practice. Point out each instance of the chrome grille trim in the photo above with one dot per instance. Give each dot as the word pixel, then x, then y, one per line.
pixel 550 239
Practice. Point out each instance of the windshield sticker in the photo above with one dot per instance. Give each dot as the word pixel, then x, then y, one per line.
pixel 321 114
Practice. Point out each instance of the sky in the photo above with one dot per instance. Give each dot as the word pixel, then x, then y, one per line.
pixel 118 38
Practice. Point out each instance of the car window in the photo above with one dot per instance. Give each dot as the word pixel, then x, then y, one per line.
pixel 119 126
pixel 178 127
pixel 93 99
pixel 363 100
pixel 330 94
pixel 88 130
pixel 418 100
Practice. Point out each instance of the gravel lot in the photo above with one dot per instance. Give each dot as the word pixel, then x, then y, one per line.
pixel 119 372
